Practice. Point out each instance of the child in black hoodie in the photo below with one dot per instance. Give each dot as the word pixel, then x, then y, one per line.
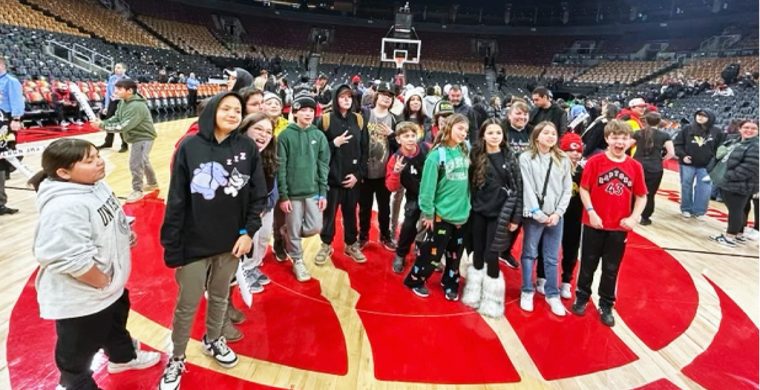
pixel 216 173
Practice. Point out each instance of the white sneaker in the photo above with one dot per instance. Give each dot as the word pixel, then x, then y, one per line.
pixel 751 234
pixel 526 301
pixel 686 214
pixel 556 305
pixel 172 374
pixel 135 196
pixel 540 283
pixel 300 271
pixel 150 187
pixel 565 291
pixel 219 350
pixel 144 359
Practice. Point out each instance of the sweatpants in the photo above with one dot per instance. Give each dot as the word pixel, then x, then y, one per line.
pixel 305 220
pixel 139 164
pixel 736 205
pixel 408 228
pixel 212 274
pixel 80 338
pixel 260 241
pixel 348 200
pixel 609 247
pixel 444 238
pixel 369 190
pixel 652 180
pixel 396 200
pixel 483 231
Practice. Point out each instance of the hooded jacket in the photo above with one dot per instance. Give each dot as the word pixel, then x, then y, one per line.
pixel 132 119
pixel 742 168
pixel 698 141
pixel 304 162
pixel 349 158
pixel 216 190
pixel 79 226
pixel 244 79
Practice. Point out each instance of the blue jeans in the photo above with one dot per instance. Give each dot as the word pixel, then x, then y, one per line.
pixel 694 196
pixel 552 240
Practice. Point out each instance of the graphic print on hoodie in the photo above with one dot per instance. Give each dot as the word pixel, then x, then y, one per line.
pixel 216 189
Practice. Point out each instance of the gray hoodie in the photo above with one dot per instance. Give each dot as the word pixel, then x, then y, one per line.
pixel 558 192
pixel 79 225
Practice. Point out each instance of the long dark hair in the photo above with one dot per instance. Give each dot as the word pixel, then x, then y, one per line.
pixel 269 154
pixel 61 153
pixel 652 120
pixel 479 156
pixel 419 115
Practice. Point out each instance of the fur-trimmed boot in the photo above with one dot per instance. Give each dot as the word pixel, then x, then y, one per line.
pixel 473 287
pixel 492 304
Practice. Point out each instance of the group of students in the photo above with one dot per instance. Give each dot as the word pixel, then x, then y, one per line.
pixel 271 177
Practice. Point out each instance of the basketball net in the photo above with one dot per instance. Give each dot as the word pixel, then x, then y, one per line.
pixel 399 62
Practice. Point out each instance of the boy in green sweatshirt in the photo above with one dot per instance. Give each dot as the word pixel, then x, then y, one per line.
pixel 304 162
pixel 133 120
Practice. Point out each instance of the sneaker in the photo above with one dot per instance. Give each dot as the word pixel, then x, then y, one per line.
pixel 751 234
pixel 579 307
pixel 64 123
pixel 510 261
pixel 259 276
pixel 150 187
pixel 363 243
pixel 540 283
pixel 172 374
pixel 231 333
pixel 135 196
pixel 324 253
pixel 124 148
pixel 526 301
pixel 279 251
pixel 105 146
pixel 389 244
pixel 701 218
pixel 723 240
pixel 144 359
pixel 354 252
pixel 685 214
pixel 221 353
pixel 234 314
pixel 558 309
pixel 451 295
pixel 251 281
pixel 565 291
pixel 5 210
pixel 645 222
pixel 300 271
pixel 398 264
pixel 605 314
pixel 421 291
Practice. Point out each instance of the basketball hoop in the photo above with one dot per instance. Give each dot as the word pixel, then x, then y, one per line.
pixel 399 62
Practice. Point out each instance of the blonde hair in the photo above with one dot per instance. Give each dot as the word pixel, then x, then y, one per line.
pixel 556 152
pixel 445 133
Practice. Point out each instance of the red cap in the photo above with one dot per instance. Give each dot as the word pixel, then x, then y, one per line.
pixel 571 141
pixel 356 79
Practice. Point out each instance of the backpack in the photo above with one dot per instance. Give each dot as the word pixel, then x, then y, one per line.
pixel 442 159
pixel 326 121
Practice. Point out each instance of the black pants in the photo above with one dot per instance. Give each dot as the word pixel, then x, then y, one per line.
pixel 483 231
pixel 110 111
pixel 369 190
pixel 192 99
pixel 347 199
pixel 609 247
pixel 62 111
pixel 571 241
pixel 408 228
pixel 444 238
pixel 507 252
pixel 79 339
pixel 737 210
pixel 652 180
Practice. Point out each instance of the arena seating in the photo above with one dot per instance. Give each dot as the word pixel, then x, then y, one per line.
pixel 622 72
pixel 709 69
pixel 191 38
pixel 17 14
pixel 90 16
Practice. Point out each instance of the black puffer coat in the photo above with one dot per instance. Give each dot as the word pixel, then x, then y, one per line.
pixel 742 168
pixel 512 210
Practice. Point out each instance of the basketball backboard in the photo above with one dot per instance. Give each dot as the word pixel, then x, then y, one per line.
pixel 392 49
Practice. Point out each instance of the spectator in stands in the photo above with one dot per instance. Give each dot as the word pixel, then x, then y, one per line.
pixel 192 92
pixel 110 103
pixel 286 94
pixel 358 90
pixel 11 111
pixel 181 78
pixel 456 97
pixel 546 110
pixel 162 76
pixel 261 80
pixel 323 93
pixel 494 109
pixel 237 79
pixel 723 90
pixel 634 114
pixel 696 145
pixel 65 105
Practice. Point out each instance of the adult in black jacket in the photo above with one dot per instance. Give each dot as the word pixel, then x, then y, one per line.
pixel 349 144
pixel 740 182
pixel 546 110
pixel 456 98
pixel 695 147
pixel 593 136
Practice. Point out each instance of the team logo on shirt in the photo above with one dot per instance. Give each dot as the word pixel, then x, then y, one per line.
pixel 615 181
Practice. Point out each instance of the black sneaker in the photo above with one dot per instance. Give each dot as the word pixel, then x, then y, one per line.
pixel 645 222
pixel 421 291
pixel 398 264
pixel 510 261
pixel 221 353
pixel 4 210
pixel 104 146
pixel 451 295
pixel 389 244
pixel 605 314
pixel 124 148
pixel 579 307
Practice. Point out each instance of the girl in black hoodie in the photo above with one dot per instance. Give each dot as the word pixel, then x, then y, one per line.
pixel 215 173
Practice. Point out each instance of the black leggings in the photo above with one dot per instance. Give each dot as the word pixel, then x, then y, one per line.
pixel 737 210
pixel 483 231
pixel 652 181
pixel 444 238
pixel 371 189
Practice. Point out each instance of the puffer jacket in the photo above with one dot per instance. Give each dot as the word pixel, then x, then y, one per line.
pixel 742 168
pixel 512 210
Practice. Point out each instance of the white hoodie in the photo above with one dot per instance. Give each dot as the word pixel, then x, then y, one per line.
pixel 79 225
